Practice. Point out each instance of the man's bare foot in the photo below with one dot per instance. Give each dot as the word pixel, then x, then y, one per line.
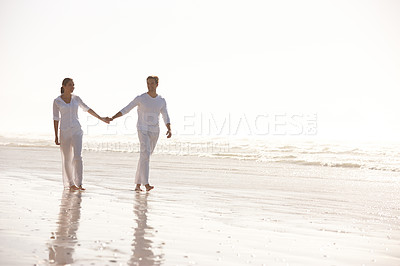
pixel 82 188
pixel 73 188
pixel 138 189
pixel 148 187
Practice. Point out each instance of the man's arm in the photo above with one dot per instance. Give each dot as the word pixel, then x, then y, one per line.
pixel 119 114
pixel 169 134
pixel 126 109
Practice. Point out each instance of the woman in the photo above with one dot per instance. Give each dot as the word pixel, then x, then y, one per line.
pixel 150 105
pixel 70 133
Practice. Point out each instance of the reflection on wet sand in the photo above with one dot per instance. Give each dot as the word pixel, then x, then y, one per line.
pixel 142 247
pixel 64 239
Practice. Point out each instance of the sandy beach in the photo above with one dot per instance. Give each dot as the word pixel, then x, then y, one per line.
pixel 278 121
pixel 203 211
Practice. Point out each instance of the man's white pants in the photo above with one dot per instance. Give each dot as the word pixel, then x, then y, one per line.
pixel 71 150
pixel 148 141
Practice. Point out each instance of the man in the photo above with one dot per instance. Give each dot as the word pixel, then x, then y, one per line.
pixel 150 105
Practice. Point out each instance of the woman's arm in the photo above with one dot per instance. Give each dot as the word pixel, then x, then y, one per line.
pixel 56 132
pixel 56 118
pixel 90 111
pixel 104 119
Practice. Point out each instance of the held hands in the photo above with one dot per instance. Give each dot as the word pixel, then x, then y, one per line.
pixel 109 119
pixel 106 119
pixel 56 141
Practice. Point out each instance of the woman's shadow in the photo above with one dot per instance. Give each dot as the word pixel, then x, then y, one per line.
pixel 64 239
pixel 142 246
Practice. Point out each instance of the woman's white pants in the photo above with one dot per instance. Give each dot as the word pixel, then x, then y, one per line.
pixel 71 150
pixel 148 141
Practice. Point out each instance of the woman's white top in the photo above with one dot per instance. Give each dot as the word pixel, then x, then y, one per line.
pixel 149 110
pixel 68 111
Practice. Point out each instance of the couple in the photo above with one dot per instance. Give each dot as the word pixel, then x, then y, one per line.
pixel 149 104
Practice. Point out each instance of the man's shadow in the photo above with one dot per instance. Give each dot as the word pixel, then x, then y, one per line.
pixel 142 246
pixel 63 241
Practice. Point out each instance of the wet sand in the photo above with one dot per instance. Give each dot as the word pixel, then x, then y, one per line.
pixel 202 211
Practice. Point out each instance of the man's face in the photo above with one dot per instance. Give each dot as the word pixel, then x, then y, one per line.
pixel 151 84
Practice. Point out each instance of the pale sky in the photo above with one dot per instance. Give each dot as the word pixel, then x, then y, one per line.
pixel 337 59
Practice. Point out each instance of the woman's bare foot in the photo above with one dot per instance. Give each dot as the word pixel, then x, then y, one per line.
pixel 82 188
pixel 73 188
pixel 148 187
pixel 137 188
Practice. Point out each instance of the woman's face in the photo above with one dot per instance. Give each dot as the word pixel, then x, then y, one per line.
pixel 69 88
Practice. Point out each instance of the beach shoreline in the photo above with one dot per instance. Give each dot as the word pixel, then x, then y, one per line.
pixel 203 211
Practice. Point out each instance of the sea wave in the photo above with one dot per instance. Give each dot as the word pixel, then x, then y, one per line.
pixel 322 163
pixel 373 156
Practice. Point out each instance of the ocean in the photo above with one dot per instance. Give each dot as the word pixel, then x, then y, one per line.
pixel 382 156
pixel 243 201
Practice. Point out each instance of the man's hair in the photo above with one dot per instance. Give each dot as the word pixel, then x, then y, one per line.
pixel 153 77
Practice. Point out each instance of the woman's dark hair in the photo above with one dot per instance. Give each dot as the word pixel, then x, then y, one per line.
pixel 64 83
